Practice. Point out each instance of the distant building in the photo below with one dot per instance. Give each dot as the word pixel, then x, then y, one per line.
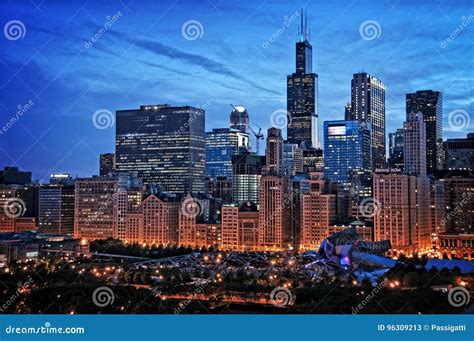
pixel 165 145
pixel 221 145
pixel 302 94
pixel 347 155
pixel 457 245
pixel 368 105
pixel 275 204
pixel 460 153
pixel 220 188
pixel 240 227
pixel 395 147
pixel 292 159
pixel 56 209
pixel 160 221
pixel 313 160
pixel 61 179
pixel 12 176
pixel 274 152
pixel 414 145
pixel 107 164
pixel 208 235
pixel 430 103
pixel 318 212
pixel 400 211
pixel 239 119
pixel 246 181
pixel 100 206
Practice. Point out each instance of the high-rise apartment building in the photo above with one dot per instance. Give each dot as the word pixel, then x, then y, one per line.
pixel 430 103
pixel 317 211
pixel 106 164
pixel 274 152
pixel 164 145
pixel 292 159
pixel 368 105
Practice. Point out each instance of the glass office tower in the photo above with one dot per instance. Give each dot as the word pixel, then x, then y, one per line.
pixel 164 145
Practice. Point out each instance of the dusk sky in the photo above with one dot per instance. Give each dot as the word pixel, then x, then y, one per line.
pixel 145 57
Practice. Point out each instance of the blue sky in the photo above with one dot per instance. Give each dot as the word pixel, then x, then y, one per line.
pixel 144 58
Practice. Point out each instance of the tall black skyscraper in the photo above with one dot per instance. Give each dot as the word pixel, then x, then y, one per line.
pixel 302 94
pixel 430 103
pixel 368 105
pixel 165 145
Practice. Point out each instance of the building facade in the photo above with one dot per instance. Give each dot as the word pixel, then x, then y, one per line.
pixel 430 103
pixel 368 105
pixel 302 94
pixel 164 145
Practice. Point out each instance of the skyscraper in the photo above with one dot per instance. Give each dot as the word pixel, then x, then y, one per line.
pixel 460 153
pixel 56 209
pixel 239 119
pixel 368 105
pixel 302 94
pixel 414 145
pixel 107 164
pixel 246 180
pixel 347 155
pixel 292 159
pixel 274 152
pixel 430 103
pixel 395 147
pixel 221 145
pixel 165 145
pixel 318 211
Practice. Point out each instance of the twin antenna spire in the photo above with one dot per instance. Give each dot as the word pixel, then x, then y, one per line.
pixel 304 32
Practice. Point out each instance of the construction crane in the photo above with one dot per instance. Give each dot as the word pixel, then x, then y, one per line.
pixel 258 136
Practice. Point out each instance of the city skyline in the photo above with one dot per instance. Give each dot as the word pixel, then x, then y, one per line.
pixel 66 89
